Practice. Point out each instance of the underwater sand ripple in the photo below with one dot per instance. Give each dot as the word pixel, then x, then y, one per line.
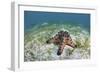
pixel 35 48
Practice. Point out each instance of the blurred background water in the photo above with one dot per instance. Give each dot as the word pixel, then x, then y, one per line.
pixel 33 18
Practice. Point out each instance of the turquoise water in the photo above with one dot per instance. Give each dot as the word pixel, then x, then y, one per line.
pixel 34 18
pixel 40 26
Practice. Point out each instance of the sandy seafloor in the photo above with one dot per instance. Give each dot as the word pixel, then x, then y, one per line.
pixel 36 49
